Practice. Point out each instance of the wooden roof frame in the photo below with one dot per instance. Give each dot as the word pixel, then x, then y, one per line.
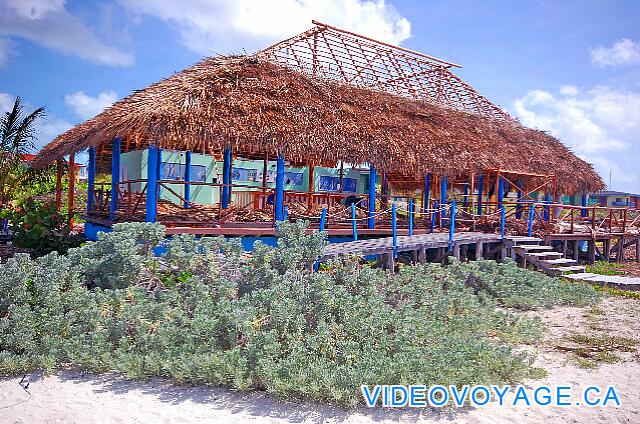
pixel 325 51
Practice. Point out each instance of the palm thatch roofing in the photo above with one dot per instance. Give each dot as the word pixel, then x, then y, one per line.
pixel 257 105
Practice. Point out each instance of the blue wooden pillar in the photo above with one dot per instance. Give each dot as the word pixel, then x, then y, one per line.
pixel 187 179
pixel 279 198
pixel 585 201
pixel 394 230
pixel 532 212
pixel 226 179
pixel 443 195
pixel 411 210
pixel 547 208
pixel 159 170
pixel 452 225
pixel 372 198
pixel 115 177
pixel 465 195
pixel 500 191
pixel 91 180
pixel 354 223
pixel 480 194
pixel 427 189
pixel 152 185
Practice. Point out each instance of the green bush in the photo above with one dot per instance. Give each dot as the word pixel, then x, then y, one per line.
pixel 205 312
pixel 38 225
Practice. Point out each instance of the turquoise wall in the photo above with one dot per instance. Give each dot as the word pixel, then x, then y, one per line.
pixel 134 166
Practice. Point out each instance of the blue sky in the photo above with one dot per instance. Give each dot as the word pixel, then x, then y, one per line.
pixel 569 67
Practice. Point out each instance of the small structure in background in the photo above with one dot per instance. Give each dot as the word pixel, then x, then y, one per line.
pixel 615 198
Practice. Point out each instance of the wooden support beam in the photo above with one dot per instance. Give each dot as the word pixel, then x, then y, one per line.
pixel 59 170
pixel 71 190
pixel 576 250
pixel 479 250
pixel 91 178
pixel 564 248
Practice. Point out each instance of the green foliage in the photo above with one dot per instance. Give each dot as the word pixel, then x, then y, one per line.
pixel 205 312
pixel 605 268
pixel 39 226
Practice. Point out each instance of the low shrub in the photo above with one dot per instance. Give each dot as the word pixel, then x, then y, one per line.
pixel 205 312
pixel 38 226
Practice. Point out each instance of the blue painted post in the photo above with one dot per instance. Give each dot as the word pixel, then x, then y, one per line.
pixel 427 190
pixel 159 171
pixel 503 220
pixel 547 200
pixel 519 201
pixel 286 214
pixel 226 180
pixel 323 219
pixel 585 201
pixel 434 216
pixel 152 185
pixel 384 193
pixel 279 198
pixel 531 216
pixel 443 195
pixel 394 230
pixel 187 179
pixel 354 228
pixel 480 188
pixel 500 191
pixel 115 177
pixel 410 217
pixel 372 198
pixel 452 225
pixel 91 180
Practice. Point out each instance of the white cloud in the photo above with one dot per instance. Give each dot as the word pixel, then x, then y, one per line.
pixel 569 90
pixel 6 48
pixel 623 52
pixel 600 125
pixel 47 128
pixel 6 102
pixel 86 106
pixel 47 22
pixel 218 26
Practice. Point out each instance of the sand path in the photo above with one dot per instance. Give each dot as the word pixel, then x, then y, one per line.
pixel 71 397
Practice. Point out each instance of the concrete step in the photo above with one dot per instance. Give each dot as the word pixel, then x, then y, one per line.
pixel 566 269
pixel 539 255
pixel 528 248
pixel 582 276
pixel 559 261
pixel 523 240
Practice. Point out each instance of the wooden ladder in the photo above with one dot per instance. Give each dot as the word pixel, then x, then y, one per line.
pixel 530 252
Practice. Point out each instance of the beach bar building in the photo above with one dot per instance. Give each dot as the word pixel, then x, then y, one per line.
pixel 327 126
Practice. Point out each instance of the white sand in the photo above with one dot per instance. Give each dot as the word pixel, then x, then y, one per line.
pixel 70 397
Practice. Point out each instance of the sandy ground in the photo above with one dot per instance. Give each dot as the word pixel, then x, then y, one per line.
pixel 71 397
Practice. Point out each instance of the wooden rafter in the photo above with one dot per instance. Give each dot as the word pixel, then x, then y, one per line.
pixel 328 52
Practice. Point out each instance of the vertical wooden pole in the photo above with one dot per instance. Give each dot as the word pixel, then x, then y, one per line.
pixel 372 198
pixel 59 166
pixel 71 195
pixel 394 230
pixel 91 180
pixel 354 226
pixel 151 213
pixel 265 172
pixel 310 185
pixel 410 217
pixel 115 177
pixel 584 212
pixel 425 191
pixel 452 224
pixel 519 200
pixel 187 179
pixel 383 205
pixel 226 180
pixel 341 176
pixel 279 197
pixel 532 213
pixel 480 188
pixel 443 195
pixel 159 170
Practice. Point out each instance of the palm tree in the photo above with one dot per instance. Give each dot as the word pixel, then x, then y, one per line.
pixel 17 133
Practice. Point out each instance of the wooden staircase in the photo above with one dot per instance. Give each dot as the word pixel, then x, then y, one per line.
pixel 529 251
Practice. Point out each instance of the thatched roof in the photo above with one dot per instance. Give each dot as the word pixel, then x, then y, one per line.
pixel 257 106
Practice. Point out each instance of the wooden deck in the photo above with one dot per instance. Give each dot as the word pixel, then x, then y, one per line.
pixel 417 244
